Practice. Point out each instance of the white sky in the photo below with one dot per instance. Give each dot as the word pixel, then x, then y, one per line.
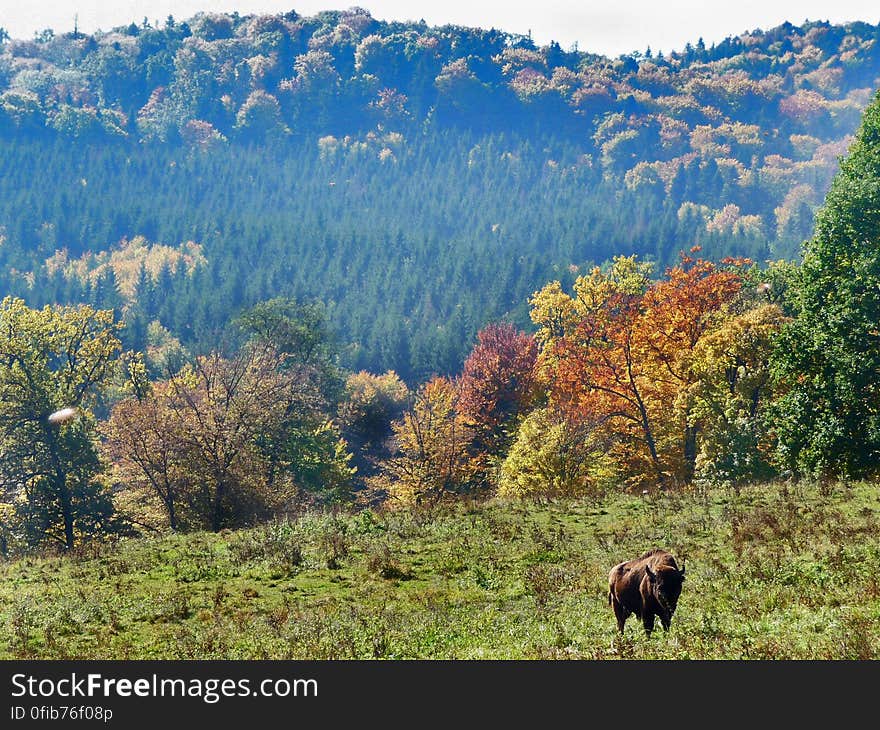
pixel 600 26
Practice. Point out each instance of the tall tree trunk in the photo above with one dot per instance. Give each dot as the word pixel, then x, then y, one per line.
pixel 61 489
pixel 690 453
pixel 217 512
pixel 66 510
pixel 649 439
pixel 172 515
pixel 645 422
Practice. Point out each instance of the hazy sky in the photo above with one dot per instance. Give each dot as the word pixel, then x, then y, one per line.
pixel 608 26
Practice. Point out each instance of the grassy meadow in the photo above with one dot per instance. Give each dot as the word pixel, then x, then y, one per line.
pixel 776 571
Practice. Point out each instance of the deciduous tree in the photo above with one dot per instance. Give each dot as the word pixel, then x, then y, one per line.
pixel 498 386
pixel 554 455
pixel 622 363
pixel 731 390
pixel 148 455
pixel 828 357
pixel 51 359
pixel 219 408
pixel 431 459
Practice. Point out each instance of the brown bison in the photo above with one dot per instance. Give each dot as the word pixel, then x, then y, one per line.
pixel 647 586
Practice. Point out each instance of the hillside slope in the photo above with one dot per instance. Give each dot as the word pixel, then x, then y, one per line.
pixel 773 572
pixel 420 180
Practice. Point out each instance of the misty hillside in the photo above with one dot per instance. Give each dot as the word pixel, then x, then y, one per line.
pixel 420 181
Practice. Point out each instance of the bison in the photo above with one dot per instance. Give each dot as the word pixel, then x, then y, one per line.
pixel 647 586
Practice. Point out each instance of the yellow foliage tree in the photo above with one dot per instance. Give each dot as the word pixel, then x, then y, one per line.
pixel 431 459
pixel 54 365
pixel 557 313
pixel 553 455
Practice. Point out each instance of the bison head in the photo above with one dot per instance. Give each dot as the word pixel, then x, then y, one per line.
pixel 665 585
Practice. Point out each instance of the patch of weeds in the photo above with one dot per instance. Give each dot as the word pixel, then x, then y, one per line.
pixel 63 622
pixel 278 618
pixel 485 577
pixel 219 596
pixel 280 544
pixel 176 605
pixel 247 546
pixel 366 523
pixel 381 562
pixel 858 638
pixel 22 625
pixel 623 646
pixel 545 584
pixel 450 560
pixel 334 545
pixel 287 559
pixel 544 539
pixel 195 561
pixel 200 642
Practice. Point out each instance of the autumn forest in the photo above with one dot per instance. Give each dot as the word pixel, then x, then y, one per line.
pixel 241 302
pixel 256 268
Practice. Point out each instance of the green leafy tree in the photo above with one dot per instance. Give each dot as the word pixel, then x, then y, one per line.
pixel 299 333
pixel 828 421
pixel 731 390
pixel 301 443
pixel 57 359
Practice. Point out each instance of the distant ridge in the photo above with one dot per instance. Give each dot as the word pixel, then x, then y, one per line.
pixel 420 180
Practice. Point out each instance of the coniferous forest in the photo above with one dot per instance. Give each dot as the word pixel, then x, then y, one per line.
pixel 419 181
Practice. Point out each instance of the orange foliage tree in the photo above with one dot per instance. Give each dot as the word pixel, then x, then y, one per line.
pixel 623 363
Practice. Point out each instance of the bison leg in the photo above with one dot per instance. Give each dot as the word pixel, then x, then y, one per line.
pixel 665 620
pixel 648 621
pixel 620 613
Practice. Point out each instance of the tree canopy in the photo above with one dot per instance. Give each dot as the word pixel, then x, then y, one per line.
pixel 829 355
pixel 54 359
pixel 420 181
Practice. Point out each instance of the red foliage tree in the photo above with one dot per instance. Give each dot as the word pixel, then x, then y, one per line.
pixel 498 385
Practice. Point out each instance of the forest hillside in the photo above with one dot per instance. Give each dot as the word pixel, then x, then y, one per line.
pixel 331 338
pixel 419 181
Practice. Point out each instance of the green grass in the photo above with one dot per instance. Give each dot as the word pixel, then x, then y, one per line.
pixel 774 572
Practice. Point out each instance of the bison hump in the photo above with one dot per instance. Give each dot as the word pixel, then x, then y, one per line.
pixel 655 552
